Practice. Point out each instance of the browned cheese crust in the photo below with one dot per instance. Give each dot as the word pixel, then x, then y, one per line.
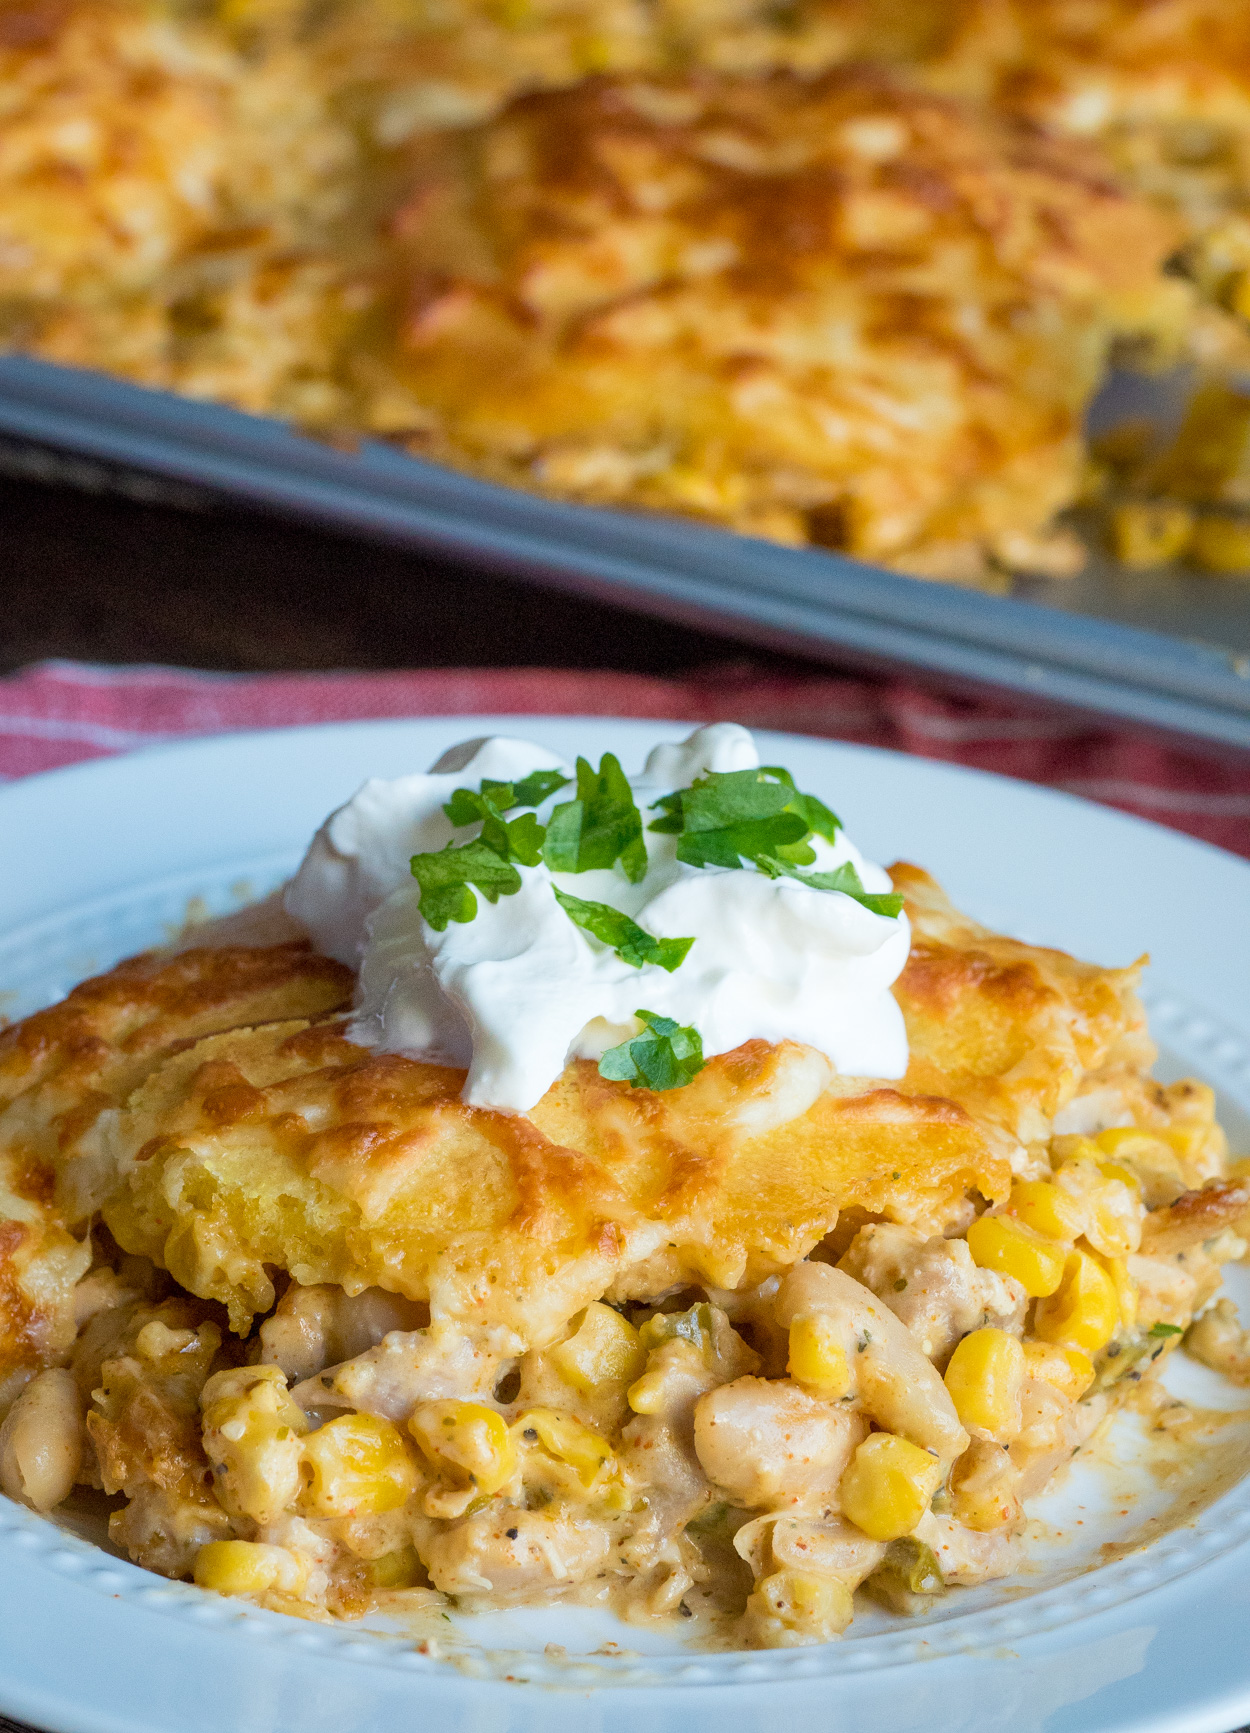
pixel 827 310
pixel 1164 84
pixel 173 208
pixel 254 1141
pixel 1009 1030
pixel 63 1073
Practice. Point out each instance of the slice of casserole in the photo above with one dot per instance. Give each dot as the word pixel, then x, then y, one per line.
pixel 729 1351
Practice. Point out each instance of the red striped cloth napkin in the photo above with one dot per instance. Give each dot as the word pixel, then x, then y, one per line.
pixel 60 712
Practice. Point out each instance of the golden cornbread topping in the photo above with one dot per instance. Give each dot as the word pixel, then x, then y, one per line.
pixel 729 1347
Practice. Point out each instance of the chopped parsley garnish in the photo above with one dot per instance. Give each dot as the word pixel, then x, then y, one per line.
pixel 843 878
pixel 814 812
pixel 1165 1330
pixel 512 839
pixel 449 876
pixel 760 817
pixel 603 825
pixel 725 819
pixel 632 943
pixel 532 790
pixel 729 816
pixel 667 1055
pixel 446 876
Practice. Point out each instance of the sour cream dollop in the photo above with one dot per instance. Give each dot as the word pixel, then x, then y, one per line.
pixel 519 990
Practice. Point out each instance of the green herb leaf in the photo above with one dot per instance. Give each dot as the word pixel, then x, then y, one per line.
pixel 445 878
pixel 532 790
pixel 513 839
pixel 670 822
pixel 817 815
pixel 843 878
pixel 731 815
pixel 632 943
pixel 466 807
pixel 1165 1330
pixel 728 816
pixel 665 1056
pixel 603 825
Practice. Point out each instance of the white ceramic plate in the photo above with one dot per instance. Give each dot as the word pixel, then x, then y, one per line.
pixel 101 860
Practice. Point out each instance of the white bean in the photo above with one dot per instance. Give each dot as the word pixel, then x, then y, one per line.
pixel 41 1441
pixel 899 1385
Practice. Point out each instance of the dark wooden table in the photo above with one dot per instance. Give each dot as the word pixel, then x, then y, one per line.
pixel 110 579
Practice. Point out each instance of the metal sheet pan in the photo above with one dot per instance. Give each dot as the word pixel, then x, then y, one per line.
pixel 1169 653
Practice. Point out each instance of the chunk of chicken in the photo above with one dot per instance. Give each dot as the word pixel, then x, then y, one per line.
pixel 771 1446
pixel 162 1529
pixel 1052 1429
pixel 411 1366
pixel 514 1552
pixel 966 1556
pixel 933 1285
pixel 1218 1340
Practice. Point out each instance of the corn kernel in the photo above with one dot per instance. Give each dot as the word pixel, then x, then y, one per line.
pixel 1118 1138
pixel 1125 1175
pixel 647 1394
pixel 357 1465
pixel 669 1366
pixel 1147 533
pixel 1239 297
pixel 1221 543
pixel 1065 1369
pixel 1084 1310
pixel 567 1440
pixel 603 1349
pixel 1010 1249
pixel 1186 1140
pixel 985 1376
pixel 245 1567
pixel 1046 1209
pixel 817 1357
pixel 470 1439
pixel 808 1602
pixel 888 1486
pixel 1126 1289
pixel 1210 445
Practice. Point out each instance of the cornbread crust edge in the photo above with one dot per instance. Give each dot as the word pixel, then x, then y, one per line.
pixel 1009 1030
pixel 254 1140
pixel 289 1148
pixel 65 1071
